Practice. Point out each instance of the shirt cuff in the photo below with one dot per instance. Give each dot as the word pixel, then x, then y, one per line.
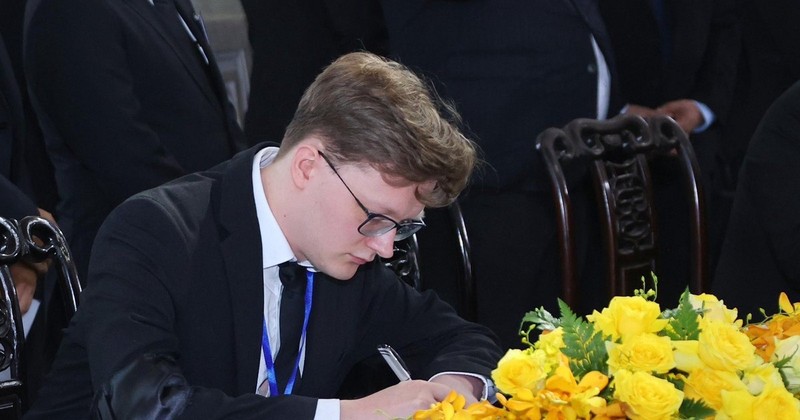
pixel 489 390
pixel 328 409
pixel 708 117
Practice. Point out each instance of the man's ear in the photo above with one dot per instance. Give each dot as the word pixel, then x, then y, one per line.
pixel 303 164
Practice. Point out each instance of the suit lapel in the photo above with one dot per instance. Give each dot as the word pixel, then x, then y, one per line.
pixel 241 252
pixel 192 65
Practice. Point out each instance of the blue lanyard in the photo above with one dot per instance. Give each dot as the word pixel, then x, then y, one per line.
pixel 271 378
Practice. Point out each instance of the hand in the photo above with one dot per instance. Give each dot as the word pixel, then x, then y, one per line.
pixel 468 386
pixel 47 215
pixel 400 400
pixel 641 111
pixel 685 112
pixel 25 276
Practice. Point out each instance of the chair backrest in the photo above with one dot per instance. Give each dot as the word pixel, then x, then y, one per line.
pixel 11 332
pixel 406 262
pixel 618 152
pixel 32 239
pixel 44 240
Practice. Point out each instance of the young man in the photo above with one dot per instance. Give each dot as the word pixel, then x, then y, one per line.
pixel 184 314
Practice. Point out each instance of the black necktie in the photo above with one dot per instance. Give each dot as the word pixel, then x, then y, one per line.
pixel 293 277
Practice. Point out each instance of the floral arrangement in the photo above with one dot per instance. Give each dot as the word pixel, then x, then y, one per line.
pixel 635 360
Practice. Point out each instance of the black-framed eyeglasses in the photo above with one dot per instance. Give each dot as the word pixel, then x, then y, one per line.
pixel 378 224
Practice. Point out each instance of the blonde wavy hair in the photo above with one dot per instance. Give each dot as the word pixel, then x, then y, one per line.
pixel 374 111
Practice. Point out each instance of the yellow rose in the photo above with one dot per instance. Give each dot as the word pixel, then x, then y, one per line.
pixel 736 405
pixel 706 384
pixel 686 358
pixel 643 352
pixel 789 348
pixel 777 403
pixel 722 346
pixel 761 376
pixel 520 369
pixel 627 316
pixel 646 396
pixel 714 309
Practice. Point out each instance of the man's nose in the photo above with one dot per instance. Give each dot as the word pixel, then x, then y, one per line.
pixel 383 245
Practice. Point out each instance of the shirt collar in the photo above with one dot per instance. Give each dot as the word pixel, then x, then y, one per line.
pixel 275 248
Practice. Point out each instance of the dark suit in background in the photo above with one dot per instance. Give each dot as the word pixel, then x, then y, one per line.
pixel 761 254
pixel 15 200
pixel 693 56
pixel 125 100
pixel 291 42
pixel 769 63
pixel 42 183
pixel 512 69
pixel 200 297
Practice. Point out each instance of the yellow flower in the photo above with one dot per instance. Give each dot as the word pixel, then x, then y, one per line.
pixel 759 377
pixel 551 343
pixel 686 357
pixel 562 394
pixel 525 405
pixel 714 309
pixel 520 369
pixel 485 410
pixel 645 396
pixel 448 409
pixel 789 349
pixel 722 346
pixel 786 305
pixel 777 403
pixel 736 405
pixel 627 316
pixel 706 384
pixel 643 352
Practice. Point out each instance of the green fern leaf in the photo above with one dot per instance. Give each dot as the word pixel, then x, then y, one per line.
pixel 584 347
pixel 694 409
pixel 683 323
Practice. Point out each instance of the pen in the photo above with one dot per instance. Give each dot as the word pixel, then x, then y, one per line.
pixel 395 362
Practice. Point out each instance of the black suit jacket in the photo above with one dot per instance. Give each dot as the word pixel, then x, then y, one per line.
pixel 704 50
pixel 14 199
pixel 761 254
pixel 512 69
pixel 177 270
pixel 125 103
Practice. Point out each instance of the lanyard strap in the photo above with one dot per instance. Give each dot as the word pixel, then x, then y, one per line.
pixel 271 378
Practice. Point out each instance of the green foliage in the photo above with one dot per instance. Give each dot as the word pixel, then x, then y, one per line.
pixel 583 346
pixel 694 409
pixel 539 319
pixel 683 324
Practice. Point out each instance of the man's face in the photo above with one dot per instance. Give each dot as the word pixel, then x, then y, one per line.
pixel 333 243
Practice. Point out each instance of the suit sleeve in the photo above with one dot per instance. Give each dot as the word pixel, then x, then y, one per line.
pixel 129 312
pixel 428 333
pixel 75 57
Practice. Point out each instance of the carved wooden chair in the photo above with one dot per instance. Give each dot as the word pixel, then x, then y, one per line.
pixel 618 153
pixel 11 333
pixel 33 239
